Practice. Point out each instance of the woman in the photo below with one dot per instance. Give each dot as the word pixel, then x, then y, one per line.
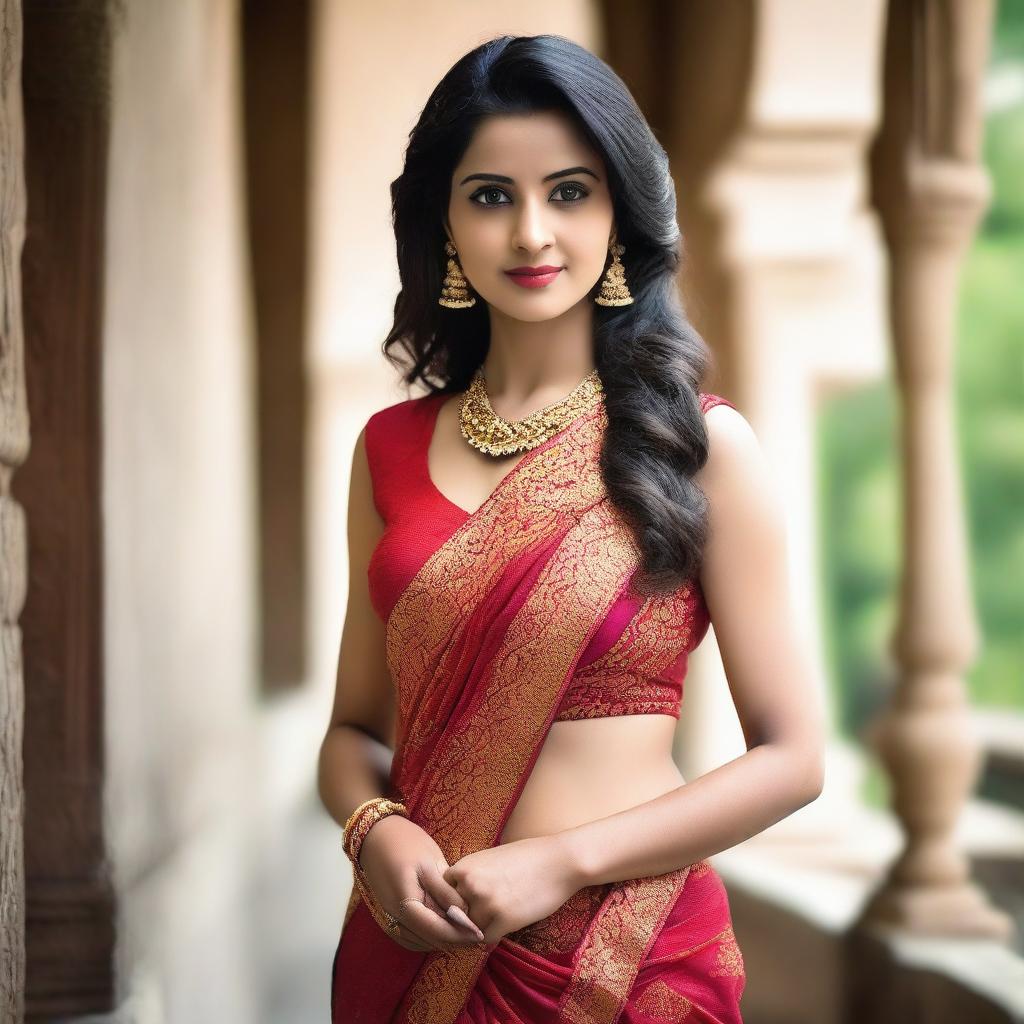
pixel 536 545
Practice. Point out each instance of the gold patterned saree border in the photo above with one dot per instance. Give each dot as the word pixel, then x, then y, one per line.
pixel 613 949
pixel 525 677
pixel 475 775
pixel 551 485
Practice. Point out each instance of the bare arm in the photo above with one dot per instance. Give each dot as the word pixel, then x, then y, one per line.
pixel 353 765
pixel 402 863
pixel 746 585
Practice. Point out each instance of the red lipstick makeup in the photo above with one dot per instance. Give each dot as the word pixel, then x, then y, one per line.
pixel 533 277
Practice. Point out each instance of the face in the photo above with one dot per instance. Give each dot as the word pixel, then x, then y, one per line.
pixel 531 192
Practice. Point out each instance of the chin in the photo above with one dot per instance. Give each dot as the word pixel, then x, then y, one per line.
pixel 534 313
pixel 536 308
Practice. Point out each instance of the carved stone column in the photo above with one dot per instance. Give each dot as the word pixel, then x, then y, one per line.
pixel 14 443
pixel 931 190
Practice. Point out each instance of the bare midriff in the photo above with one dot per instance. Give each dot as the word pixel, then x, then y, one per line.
pixel 591 768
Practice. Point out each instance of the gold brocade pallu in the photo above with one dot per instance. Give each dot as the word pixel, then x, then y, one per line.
pixel 482 644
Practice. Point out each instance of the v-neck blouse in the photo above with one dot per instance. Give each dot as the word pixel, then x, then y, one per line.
pixel 635 662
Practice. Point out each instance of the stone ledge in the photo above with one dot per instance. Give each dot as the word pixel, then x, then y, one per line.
pixel 1001 733
pixel 794 906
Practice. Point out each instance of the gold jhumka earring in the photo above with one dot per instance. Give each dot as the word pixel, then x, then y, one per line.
pixel 614 291
pixel 455 293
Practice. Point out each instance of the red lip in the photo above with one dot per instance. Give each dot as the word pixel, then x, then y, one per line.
pixel 534 271
pixel 533 277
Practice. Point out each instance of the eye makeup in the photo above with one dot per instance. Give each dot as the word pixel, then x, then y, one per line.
pixel 506 180
pixel 575 185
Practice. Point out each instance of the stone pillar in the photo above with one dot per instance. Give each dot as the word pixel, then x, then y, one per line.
pixel 931 190
pixel 14 443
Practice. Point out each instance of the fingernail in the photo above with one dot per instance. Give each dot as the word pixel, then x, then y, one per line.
pixel 459 916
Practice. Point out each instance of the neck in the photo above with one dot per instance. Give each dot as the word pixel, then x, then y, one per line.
pixel 533 364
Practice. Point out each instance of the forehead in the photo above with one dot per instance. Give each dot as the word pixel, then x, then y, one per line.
pixel 535 144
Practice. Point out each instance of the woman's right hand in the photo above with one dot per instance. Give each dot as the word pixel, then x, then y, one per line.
pixel 404 869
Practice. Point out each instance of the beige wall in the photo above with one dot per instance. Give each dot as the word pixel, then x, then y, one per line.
pixel 177 493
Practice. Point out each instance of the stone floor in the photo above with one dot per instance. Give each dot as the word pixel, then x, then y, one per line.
pixel 300 907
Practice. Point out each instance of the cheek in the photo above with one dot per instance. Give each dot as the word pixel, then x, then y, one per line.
pixel 592 258
pixel 590 242
pixel 481 242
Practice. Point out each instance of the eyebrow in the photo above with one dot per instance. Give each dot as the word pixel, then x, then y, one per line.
pixel 511 181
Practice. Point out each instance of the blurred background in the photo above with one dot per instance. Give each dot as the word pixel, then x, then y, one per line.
pixel 198 271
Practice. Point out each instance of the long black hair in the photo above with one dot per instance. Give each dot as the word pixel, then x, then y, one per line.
pixel 650 359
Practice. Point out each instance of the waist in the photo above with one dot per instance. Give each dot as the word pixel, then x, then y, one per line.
pixel 593 768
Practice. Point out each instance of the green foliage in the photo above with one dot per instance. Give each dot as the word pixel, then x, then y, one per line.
pixel 859 508
pixel 876 789
pixel 1004 157
pixel 990 409
pixel 1008 37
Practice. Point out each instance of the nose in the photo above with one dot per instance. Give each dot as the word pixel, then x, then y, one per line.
pixel 532 232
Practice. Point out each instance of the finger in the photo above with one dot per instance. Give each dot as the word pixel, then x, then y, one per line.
pixel 431 904
pixel 402 934
pixel 470 931
pixel 420 944
pixel 431 927
pixel 413 937
pixel 405 938
pixel 460 917
pixel 453 905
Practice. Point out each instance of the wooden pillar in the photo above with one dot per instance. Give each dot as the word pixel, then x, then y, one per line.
pixel 689 68
pixel 70 909
pixel 14 443
pixel 276 65
pixel 931 190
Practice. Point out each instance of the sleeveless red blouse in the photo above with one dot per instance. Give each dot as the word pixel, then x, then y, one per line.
pixel 418 519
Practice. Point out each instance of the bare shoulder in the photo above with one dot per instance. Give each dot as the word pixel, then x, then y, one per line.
pixel 365 524
pixel 734 451
pixel 742 492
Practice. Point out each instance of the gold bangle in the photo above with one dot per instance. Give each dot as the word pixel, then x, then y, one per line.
pixel 347 829
pixel 363 818
pixel 359 823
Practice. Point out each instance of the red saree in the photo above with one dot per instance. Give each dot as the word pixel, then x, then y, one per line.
pixel 482 644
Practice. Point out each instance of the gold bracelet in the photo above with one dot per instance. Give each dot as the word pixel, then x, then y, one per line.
pixel 363 818
pixel 347 829
pixel 359 823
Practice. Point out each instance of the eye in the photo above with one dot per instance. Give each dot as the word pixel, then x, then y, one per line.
pixel 489 190
pixel 576 187
pixel 576 193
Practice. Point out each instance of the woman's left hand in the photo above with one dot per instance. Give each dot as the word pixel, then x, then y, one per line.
pixel 510 886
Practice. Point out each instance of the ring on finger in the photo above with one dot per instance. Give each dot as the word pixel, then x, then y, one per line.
pixel 394 927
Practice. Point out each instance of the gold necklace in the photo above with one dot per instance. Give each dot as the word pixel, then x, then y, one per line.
pixel 484 429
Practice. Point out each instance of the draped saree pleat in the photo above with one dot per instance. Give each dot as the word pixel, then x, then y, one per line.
pixel 481 646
